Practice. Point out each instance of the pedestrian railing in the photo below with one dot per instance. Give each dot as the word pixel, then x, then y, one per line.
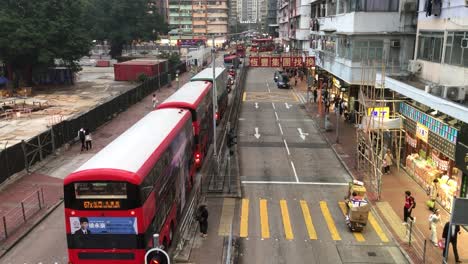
pixel 21 213
pixel 421 245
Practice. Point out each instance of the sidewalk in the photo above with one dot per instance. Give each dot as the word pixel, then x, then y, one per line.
pixel 47 176
pixel 394 185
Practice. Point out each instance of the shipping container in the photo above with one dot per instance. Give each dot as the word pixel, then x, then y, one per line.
pixel 103 63
pixel 130 70
pixel 162 64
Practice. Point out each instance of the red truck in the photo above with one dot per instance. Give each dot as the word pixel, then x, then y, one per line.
pixel 240 50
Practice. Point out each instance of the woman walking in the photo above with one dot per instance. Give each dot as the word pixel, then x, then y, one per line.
pixel 202 218
pixel 434 220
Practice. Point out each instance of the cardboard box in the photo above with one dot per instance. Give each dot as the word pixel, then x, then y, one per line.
pixel 359 214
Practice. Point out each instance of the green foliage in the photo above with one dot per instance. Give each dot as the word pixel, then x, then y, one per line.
pixel 123 21
pixel 172 58
pixel 142 77
pixel 34 33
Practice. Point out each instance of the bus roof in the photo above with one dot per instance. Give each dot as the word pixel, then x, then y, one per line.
pixel 188 96
pixel 207 74
pixel 134 152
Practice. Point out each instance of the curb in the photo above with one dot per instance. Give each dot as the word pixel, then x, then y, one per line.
pixel 8 247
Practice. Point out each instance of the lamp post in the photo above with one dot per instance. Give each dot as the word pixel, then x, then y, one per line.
pixel 177 78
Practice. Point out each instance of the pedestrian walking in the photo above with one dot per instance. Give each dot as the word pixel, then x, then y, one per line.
pixel 88 140
pixel 202 218
pixel 388 158
pixel 342 107
pixel 434 220
pixel 295 81
pixel 433 193
pixel 154 101
pixel 453 239
pixel 315 95
pixel 410 204
pixel 81 137
pixel 327 106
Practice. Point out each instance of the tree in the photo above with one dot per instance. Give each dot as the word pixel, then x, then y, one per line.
pixel 122 21
pixel 34 33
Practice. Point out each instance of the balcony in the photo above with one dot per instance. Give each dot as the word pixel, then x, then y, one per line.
pixel 301 34
pixel 359 22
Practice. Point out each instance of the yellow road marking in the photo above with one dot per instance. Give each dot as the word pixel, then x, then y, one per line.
pixel 286 221
pixel 295 97
pixel 329 220
pixel 377 228
pixel 227 213
pixel 264 219
pixel 308 220
pixel 244 96
pixel 359 237
pixel 244 224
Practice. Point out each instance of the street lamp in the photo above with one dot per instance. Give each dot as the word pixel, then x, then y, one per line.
pixel 177 78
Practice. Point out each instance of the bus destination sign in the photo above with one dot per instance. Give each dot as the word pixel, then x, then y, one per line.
pixel 101 204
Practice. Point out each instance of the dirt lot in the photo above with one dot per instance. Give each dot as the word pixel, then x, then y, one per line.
pixel 93 86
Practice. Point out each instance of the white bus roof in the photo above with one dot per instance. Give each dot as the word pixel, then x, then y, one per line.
pixel 134 147
pixel 207 74
pixel 187 96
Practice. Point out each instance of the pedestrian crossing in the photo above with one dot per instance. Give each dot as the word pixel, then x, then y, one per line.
pixel 298 215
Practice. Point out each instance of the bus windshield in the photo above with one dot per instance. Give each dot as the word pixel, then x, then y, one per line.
pixel 100 190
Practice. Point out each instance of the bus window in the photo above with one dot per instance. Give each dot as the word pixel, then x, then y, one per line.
pixel 100 190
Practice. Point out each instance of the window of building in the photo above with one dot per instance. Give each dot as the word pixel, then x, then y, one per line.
pixel 373 5
pixel 430 46
pixel 367 50
pixel 331 8
pixel 455 54
pixel 344 47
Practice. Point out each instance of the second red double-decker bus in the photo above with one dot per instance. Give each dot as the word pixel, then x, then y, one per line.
pixel 136 186
pixel 197 97
pixel 259 45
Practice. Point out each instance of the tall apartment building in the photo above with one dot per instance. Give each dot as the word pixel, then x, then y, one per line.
pixel 232 13
pixel 248 11
pixel 299 24
pixel 283 19
pixel 190 19
pixel 347 36
pixel 271 19
pixel 435 87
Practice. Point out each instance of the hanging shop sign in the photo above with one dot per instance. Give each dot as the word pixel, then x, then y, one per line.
pixel 411 141
pixel 461 157
pixel 379 112
pixel 336 83
pixel 285 62
pixel 422 132
pixel 440 163
pixel 434 125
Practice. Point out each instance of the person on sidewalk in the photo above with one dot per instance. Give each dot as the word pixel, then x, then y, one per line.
pixel 88 140
pixel 453 239
pixel 202 218
pixel 82 136
pixel 434 220
pixel 409 205
pixel 388 157
pixel 432 192
pixel 327 106
pixel 315 95
pixel 154 101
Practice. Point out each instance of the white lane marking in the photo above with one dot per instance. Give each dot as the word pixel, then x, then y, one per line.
pixel 302 134
pixel 287 148
pixel 268 86
pixel 276 116
pixel 287 105
pixel 297 183
pixel 281 129
pixel 256 105
pixel 257 135
pixel 241 119
pixel 273 104
pixel 294 170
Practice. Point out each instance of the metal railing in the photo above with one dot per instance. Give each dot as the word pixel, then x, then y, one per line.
pixel 21 213
pixel 418 242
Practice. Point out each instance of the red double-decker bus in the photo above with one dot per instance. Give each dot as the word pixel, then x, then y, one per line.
pixel 197 97
pixel 240 50
pixel 265 44
pixel 136 186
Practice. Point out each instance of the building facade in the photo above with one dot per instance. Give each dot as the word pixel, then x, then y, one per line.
pixel 436 110
pixel 283 20
pixel 248 11
pixel 180 19
pixel 272 18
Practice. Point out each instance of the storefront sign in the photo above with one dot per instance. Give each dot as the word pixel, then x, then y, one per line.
pixel 461 157
pixel 440 163
pixel 411 141
pixel 336 83
pixel 434 125
pixel 422 132
pixel 285 62
pixel 379 112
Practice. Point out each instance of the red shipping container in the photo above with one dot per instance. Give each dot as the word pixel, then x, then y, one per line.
pixel 162 64
pixel 102 63
pixel 130 70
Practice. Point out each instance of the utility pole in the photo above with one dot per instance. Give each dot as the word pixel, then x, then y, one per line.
pixel 215 97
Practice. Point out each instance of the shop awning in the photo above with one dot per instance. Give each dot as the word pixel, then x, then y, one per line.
pixel 445 106
pixel 376 123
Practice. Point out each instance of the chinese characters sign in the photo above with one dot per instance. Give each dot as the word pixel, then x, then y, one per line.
pixel 101 204
pixel 422 132
pixel 282 62
pixel 379 112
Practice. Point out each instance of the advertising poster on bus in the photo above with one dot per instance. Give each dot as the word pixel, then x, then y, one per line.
pixel 103 225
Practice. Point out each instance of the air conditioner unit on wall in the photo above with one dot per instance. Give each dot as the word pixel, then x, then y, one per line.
pixel 395 43
pixel 454 93
pixel 414 66
pixel 434 90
